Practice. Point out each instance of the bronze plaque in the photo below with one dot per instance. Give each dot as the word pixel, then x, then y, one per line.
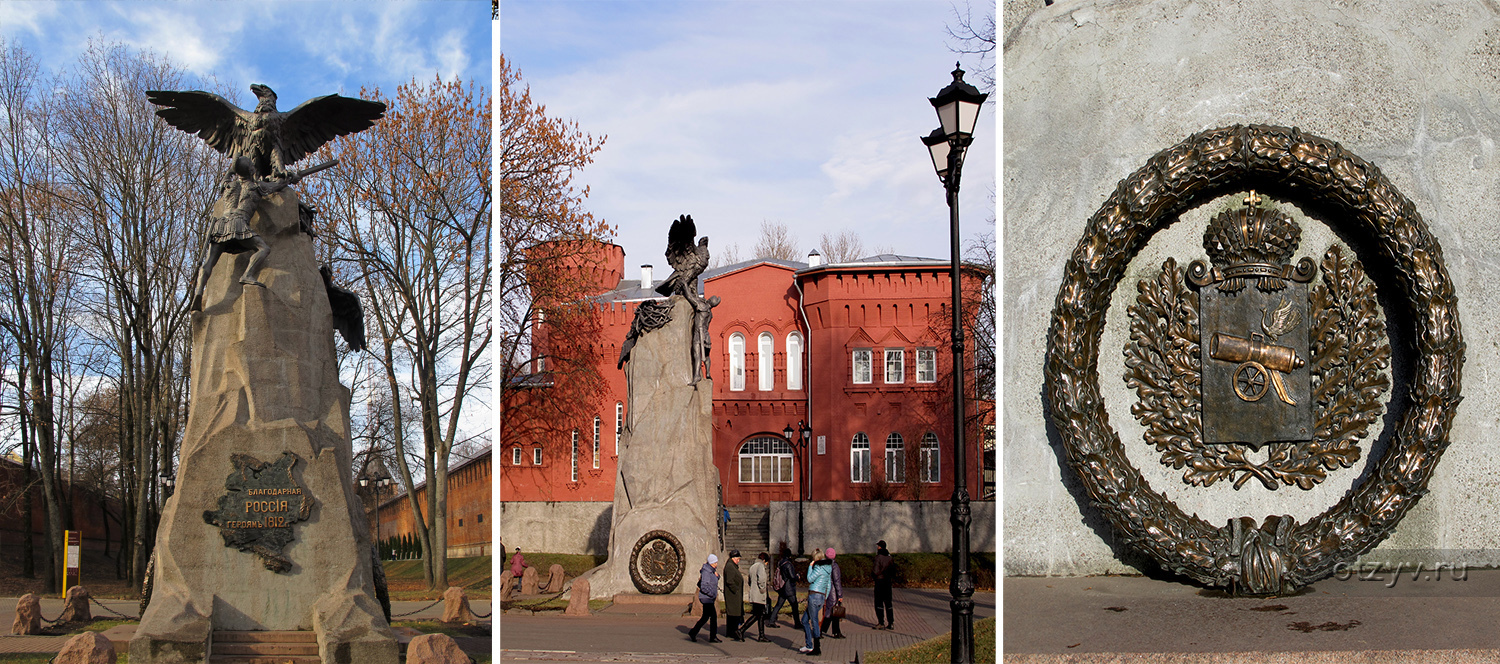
pixel 1257 385
pixel 263 502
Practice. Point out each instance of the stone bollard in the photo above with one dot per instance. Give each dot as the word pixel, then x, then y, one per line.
pixel 456 606
pixel 556 577
pixel 86 648
pixel 76 607
pixel 507 585
pixel 435 649
pixel 28 616
pixel 578 599
pixel 528 581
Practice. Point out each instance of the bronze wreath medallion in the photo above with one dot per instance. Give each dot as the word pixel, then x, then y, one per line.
pixel 1280 554
pixel 657 563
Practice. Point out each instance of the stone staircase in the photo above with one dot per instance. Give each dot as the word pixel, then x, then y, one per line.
pixel 264 648
pixel 749 531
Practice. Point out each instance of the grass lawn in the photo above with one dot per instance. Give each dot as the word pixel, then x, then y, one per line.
pixel 937 649
pixel 404 578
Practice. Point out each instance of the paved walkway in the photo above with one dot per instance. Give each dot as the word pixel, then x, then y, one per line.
pixel 52 607
pixel 608 637
pixel 1369 620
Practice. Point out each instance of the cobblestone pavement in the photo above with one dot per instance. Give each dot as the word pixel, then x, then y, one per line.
pixel 607 637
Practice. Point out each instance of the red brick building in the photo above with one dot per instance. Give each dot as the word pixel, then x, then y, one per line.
pixel 858 351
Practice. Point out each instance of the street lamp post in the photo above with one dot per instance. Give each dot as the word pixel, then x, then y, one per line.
pixel 958 108
pixel 803 434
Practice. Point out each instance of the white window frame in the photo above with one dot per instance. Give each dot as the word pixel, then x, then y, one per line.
pixel 619 424
pixel 770 461
pixel 575 455
pixel 536 455
pixel 515 455
pixel 862 372
pixel 895 458
pixel 926 365
pixel 895 366
pixel 932 457
pixel 859 459
pixel 765 358
pixel 737 362
pixel 596 442
pixel 794 361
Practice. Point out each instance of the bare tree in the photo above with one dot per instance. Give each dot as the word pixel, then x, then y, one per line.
pixel 776 241
pixel 976 38
pixel 844 247
pixel 726 255
pixel 139 191
pixel 409 209
pixel 36 257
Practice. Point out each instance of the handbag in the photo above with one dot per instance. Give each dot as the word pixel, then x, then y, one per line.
pixel 838 610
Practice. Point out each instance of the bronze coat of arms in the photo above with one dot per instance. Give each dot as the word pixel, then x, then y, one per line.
pixel 1254 348
pixel 1257 350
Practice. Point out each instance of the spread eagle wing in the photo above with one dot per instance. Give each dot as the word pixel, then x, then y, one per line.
pixel 213 118
pixel 1284 318
pixel 316 121
pixel 348 315
pixel 680 240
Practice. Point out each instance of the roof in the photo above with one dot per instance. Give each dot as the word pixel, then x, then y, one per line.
pixel 629 290
pixel 736 267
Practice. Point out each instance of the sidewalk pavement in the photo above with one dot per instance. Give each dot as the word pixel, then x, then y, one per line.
pixel 1370 617
pixel 52 607
pixel 921 614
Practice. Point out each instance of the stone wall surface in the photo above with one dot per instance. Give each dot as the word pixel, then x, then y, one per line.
pixel 555 526
pixel 1093 89
pixel 855 526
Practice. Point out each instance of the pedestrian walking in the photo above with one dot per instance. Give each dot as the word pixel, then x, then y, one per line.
pixel 755 593
pixel 734 596
pixel 708 593
pixel 819 580
pixel 884 572
pixel 833 607
pixel 784 582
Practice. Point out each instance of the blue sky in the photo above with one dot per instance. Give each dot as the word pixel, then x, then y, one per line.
pixel 300 49
pixel 806 113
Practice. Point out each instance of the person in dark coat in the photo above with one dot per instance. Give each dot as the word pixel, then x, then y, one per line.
pixel 884 572
pixel 734 597
pixel 787 568
pixel 708 593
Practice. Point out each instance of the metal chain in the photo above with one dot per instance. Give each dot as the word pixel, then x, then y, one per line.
pixel 530 607
pixel 483 615
pixel 403 615
pixel 102 606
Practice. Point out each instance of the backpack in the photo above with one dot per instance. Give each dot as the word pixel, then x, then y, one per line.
pixel 776 580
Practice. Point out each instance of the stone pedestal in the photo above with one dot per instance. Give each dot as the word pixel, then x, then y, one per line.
pixel 265 382
pixel 666 478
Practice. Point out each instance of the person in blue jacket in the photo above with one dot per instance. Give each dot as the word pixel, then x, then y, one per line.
pixel 819 582
pixel 708 593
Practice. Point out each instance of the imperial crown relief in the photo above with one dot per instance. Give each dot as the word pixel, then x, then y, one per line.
pixel 1257 363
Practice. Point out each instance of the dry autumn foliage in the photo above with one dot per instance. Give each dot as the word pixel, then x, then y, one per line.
pixel 548 266
pixel 407 217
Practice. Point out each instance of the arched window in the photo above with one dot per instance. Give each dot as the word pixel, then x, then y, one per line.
pixel 859 458
pixel 931 470
pixel 515 455
pixel 765 459
pixel 765 354
pixel 895 458
pixel 737 362
pixel 794 361
pixel 619 424
pixel 536 455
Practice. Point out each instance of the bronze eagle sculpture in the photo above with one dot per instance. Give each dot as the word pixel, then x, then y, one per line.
pixel 273 140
